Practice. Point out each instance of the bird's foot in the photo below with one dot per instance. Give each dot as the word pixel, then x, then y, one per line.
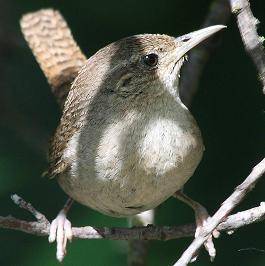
pixel 202 216
pixel 61 231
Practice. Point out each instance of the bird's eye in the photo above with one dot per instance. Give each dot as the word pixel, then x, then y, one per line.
pixel 150 60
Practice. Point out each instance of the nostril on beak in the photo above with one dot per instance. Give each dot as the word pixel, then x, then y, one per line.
pixel 186 39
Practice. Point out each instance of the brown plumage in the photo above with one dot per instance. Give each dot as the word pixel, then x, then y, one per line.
pixel 88 82
pixel 126 142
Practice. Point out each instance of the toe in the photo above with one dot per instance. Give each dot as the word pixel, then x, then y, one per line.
pixel 60 239
pixel 60 255
pixel 53 230
pixel 209 246
pixel 216 233
pixel 68 230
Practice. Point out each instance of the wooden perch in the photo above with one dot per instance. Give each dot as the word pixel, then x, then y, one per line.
pixel 41 226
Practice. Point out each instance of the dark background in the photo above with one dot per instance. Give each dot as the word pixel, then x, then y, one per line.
pixel 228 108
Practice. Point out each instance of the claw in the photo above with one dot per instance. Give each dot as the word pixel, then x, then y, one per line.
pixel 216 233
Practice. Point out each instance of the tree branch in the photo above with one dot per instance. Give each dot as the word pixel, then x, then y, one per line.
pixel 227 206
pixel 247 25
pixel 41 227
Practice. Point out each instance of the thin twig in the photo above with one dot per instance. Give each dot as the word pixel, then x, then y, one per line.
pixel 27 206
pixel 149 232
pixel 227 206
pixel 247 25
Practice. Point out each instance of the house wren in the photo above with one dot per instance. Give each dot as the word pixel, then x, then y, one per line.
pixel 126 142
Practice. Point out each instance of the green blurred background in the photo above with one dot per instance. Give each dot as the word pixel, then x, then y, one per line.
pixel 228 108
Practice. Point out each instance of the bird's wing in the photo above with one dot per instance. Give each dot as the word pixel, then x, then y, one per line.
pixel 73 118
pixel 84 89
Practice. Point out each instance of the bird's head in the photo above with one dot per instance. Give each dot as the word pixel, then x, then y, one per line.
pixel 144 64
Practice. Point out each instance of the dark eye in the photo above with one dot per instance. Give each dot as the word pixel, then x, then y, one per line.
pixel 150 59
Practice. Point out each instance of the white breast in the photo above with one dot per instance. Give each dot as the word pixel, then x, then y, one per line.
pixel 139 161
pixel 161 148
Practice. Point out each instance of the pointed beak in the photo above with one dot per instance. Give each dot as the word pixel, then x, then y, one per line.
pixel 188 41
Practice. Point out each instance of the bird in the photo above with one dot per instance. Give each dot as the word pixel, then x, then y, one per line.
pixel 126 142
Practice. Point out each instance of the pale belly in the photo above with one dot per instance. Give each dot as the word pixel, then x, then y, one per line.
pixel 128 173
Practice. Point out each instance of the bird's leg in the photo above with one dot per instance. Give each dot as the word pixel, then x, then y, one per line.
pixel 61 230
pixel 201 216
